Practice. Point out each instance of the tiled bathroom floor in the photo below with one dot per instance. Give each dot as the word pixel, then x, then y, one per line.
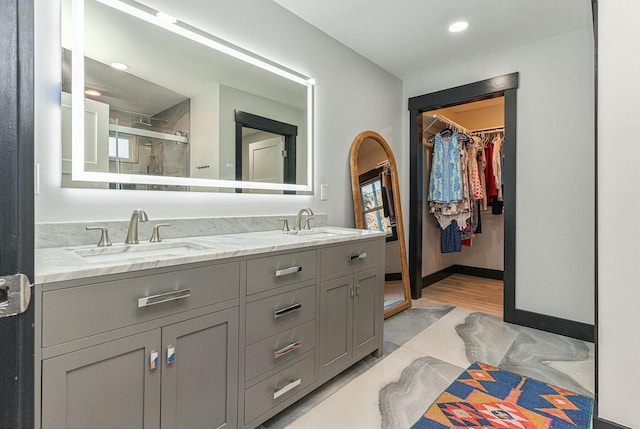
pixel 425 349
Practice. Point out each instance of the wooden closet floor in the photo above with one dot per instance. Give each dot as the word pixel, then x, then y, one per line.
pixel 473 293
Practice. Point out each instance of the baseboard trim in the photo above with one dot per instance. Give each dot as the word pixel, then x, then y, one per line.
pixel 479 272
pixel 432 278
pixel 392 276
pixel 556 325
pixel 461 269
pixel 599 423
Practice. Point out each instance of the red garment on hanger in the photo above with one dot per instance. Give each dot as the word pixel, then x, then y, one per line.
pixel 490 182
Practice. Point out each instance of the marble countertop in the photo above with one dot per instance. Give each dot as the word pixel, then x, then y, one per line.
pixel 77 262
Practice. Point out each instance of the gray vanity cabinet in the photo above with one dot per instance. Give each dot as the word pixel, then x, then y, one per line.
pixel 171 364
pixel 115 384
pixel 224 344
pixel 336 327
pixel 109 385
pixel 350 306
pixel 199 387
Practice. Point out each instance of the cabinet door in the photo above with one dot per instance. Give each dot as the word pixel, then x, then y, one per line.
pixel 336 323
pixel 107 386
pixel 365 310
pixel 200 386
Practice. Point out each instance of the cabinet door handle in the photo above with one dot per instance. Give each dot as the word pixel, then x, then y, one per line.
pixel 351 291
pixel 171 354
pixel 358 256
pixel 357 289
pixel 287 310
pixel 164 297
pixel 287 349
pixel 153 359
pixel 279 392
pixel 287 271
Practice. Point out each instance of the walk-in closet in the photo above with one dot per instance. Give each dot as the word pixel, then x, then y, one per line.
pixel 463 212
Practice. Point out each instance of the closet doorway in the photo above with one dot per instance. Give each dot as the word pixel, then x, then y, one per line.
pixel 463 253
pixel 471 255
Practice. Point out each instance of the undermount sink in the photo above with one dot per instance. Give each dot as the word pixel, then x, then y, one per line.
pixel 126 251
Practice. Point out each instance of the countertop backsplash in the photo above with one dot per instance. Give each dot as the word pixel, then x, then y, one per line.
pixel 62 234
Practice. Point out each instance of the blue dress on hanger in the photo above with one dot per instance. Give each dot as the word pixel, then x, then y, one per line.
pixel 445 182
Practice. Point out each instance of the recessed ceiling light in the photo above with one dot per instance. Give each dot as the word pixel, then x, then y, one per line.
pixel 93 92
pixel 119 66
pixel 458 26
pixel 165 17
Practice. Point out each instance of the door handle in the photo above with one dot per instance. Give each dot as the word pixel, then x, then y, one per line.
pixel 15 294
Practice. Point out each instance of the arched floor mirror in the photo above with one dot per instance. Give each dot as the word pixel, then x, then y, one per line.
pixel 376 206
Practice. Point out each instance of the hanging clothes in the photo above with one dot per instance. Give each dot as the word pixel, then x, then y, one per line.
pixel 490 181
pixel 482 165
pixel 387 194
pixel 459 192
pixel 445 183
pixel 496 163
pixel 477 190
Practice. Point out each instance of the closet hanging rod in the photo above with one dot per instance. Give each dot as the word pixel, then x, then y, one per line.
pixel 484 130
pixel 448 122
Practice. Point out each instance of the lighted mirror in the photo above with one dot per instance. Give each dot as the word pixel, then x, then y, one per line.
pixel 376 206
pixel 155 104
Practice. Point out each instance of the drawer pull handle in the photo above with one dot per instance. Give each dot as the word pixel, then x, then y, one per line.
pixel 287 310
pixel 358 256
pixel 285 389
pixel 163 297
pixel 287 271
pixel 287 349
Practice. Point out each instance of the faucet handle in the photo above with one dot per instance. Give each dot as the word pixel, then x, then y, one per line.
pixel 155 236
pixel 285 224
pixel 307 225
pixel 104 238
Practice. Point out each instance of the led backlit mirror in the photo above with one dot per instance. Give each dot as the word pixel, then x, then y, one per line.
pixel 152 104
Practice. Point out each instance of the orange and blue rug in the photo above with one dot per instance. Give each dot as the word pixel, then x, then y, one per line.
pixel 486 397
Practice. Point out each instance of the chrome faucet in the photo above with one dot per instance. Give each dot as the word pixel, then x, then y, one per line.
pixel 132 234
pixel 299 218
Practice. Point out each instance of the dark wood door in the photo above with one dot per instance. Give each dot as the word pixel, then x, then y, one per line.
pixel 16 205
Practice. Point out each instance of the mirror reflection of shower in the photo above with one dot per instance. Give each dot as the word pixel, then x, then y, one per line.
pixel 150 145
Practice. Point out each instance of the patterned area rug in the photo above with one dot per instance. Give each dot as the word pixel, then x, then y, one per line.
pixel 486 397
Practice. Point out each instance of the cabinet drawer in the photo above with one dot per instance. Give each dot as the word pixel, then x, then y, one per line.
pixel 78 312
pixel 278 388
pixel 281 270
pixel 349 256
pixel 279 349
pixel 280 310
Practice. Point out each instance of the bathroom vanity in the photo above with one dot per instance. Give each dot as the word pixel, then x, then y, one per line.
pixel 222 331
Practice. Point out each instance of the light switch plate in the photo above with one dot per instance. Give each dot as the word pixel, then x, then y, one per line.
pixel 324 192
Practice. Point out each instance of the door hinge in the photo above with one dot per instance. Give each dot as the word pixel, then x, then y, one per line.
pixel 284 153
pixel 15 294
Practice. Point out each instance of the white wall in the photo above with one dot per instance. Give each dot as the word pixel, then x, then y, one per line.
pixel 555 167
pixel 618 176
pixel 352 95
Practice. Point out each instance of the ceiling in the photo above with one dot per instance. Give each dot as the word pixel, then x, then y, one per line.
pixel 410 37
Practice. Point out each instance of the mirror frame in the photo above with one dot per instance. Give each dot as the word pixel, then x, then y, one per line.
pixel 185 30
pixel 357 209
